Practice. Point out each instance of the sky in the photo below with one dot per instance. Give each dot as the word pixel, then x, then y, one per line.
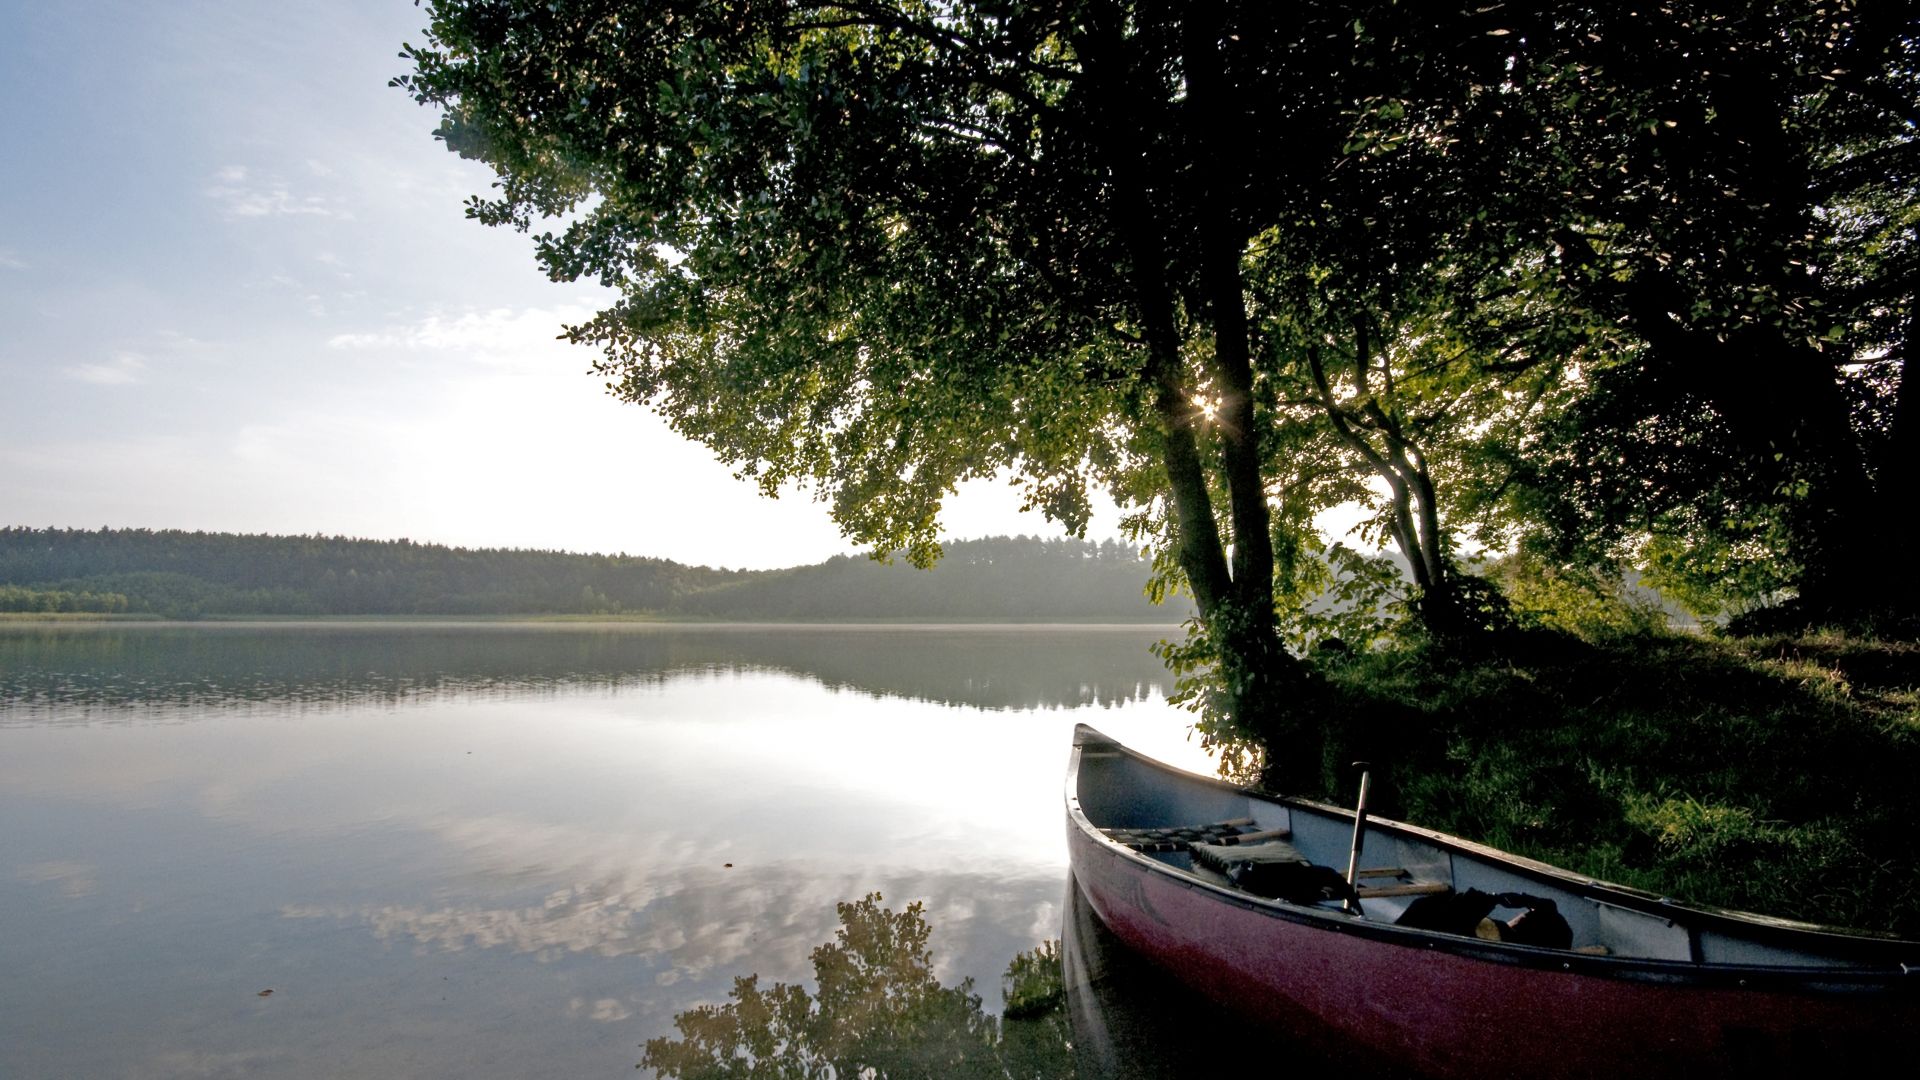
pixel 238 293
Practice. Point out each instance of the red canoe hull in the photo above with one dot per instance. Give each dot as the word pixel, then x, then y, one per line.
pixel 1418 1006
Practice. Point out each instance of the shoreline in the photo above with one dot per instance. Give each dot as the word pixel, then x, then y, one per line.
pixel 563 621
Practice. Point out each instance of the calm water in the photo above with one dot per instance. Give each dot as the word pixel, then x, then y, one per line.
pixel 507 850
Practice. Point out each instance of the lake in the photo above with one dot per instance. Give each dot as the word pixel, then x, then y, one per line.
pixel 512 849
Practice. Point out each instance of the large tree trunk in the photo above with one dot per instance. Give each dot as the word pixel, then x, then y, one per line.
pixel 1272 694
pixel 1265 687
pixel 1793 405
pixel 1782 401
pixel 1260 681
pixel 1783 404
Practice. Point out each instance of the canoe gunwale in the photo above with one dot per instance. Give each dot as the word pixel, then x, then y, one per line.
pixel 1889 974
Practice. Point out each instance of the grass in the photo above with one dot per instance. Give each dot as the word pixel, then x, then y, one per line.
pixel 1774 775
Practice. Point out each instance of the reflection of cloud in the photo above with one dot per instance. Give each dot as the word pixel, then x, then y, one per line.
pixel 207 1065
pixel 516 847
pixel 691 928
pixel 704 924
pixel 75 879
pixel 124 368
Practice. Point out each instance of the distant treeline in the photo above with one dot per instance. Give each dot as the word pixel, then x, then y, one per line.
pixel 186 574
pixel 50 601
pixel 995 578
pixel 180 574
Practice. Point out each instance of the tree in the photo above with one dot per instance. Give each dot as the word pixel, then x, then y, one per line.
pixel 1223 258
pixel 1735 188
pixel 882 247
pixel 1410 328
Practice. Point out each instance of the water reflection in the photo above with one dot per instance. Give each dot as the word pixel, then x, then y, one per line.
pixel 73 879
pixel 695 926
pixel 80 666
pixel 877 1011
pixel 501 851
pixel 1130 1020
pixel 1083 1007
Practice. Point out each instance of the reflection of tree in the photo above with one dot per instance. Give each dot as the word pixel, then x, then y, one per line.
pixel 214 664
pixel 877 1012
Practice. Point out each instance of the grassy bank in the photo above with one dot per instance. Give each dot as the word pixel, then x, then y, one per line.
pixel 1776 775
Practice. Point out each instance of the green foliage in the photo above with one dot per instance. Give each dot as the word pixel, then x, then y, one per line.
pixel 819 221
pixel 1720 573
pixel 1193 661
pixel 1359 601
pixel 18 598
pixel 1579 601
pixel 1767 775
pixel 1465 613
pixel 1595 279
pixel 885 248
pixel 1697 832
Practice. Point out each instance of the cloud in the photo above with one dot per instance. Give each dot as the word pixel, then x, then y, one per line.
pixel 240 194
pixel 500 337
pixel 11 261
pixel 605 1010
pixel 124 368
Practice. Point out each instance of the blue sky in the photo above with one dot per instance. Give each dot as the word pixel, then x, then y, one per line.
pixel 238 292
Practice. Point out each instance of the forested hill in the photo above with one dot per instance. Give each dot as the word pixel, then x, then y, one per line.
pixel 995 578
pixel 177 573
pixel 191 574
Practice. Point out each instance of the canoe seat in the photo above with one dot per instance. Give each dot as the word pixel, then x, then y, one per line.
pixel 1182 837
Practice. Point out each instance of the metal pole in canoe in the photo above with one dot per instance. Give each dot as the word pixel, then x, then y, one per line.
pixel 1359 830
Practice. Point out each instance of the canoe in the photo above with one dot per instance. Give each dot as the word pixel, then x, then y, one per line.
pixel 1633 985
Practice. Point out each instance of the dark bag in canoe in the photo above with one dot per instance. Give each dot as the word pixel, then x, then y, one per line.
pixel 1275 870
pixel 1538 923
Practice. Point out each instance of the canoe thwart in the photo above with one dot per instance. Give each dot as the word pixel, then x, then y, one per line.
pixel 1410 888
